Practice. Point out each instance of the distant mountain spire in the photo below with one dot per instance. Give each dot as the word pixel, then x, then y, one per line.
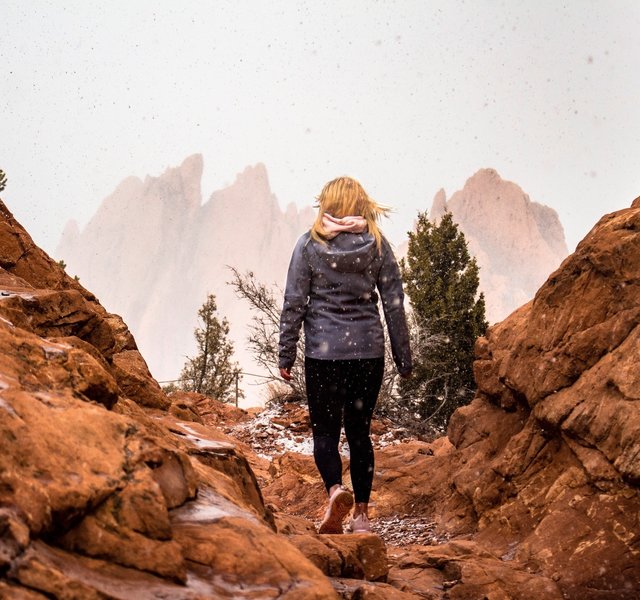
pixel 154 250
pixel 516 242
pixel 439 206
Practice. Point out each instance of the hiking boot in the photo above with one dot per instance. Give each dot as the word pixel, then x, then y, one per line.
pixel 360 524
pixel 340 504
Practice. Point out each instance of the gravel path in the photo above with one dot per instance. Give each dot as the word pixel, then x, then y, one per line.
pixel 402 530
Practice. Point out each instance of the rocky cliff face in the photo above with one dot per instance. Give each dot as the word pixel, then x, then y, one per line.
pixel 153 252
pixel 517 242
pixel 107 491
pixel 544 466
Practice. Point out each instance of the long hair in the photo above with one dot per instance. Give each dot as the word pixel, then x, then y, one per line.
pixel 345 197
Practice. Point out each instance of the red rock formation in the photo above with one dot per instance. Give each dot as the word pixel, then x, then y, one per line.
pixel 170 251
pixel 516 242
pixel 545 463
pixel 102 493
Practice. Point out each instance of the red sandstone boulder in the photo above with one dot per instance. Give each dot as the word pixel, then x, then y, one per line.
pixel 208 411
pixel 360 556
pixel 465 571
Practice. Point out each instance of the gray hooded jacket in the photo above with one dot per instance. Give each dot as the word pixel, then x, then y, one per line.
pixel 331 288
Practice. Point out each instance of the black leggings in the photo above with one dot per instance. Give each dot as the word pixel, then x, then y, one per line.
pixel 352 386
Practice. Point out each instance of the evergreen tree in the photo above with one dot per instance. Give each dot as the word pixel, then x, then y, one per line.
pixel 3 180
pixel 441 280
pixel 212 371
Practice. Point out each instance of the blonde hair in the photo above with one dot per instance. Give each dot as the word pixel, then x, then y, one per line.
pixel 345 197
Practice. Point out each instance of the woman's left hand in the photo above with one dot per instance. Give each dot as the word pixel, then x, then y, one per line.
pixel 285 374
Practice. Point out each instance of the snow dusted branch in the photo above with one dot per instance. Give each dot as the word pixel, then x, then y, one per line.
pixel 264 303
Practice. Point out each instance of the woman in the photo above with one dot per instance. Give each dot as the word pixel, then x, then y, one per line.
pixel 331 288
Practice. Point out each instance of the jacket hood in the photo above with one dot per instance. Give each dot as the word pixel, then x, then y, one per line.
pixel 347 252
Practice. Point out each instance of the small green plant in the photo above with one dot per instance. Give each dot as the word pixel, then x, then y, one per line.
pixel 212 371
pixel 169 388
pixel 63 266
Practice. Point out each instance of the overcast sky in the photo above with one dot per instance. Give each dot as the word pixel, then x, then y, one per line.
pixel 406 96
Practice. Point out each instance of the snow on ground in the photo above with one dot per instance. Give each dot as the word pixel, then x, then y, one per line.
pixel 279 428
pixel 269 438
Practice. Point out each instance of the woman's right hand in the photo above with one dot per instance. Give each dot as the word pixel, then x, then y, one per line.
pixel 285 374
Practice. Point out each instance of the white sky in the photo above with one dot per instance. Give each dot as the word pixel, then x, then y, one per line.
pixel 406 96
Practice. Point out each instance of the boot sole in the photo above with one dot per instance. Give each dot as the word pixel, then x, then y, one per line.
pixel 338 510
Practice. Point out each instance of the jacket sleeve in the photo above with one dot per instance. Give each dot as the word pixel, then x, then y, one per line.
pixel 294 309
pixel 390 288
